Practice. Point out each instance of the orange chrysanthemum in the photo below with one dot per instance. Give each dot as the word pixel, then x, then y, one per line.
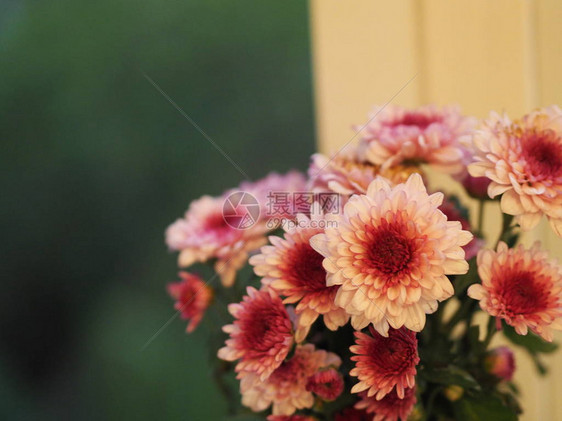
pixel 285 388
pixel 523 158
pixel 389 408
pixel 383 364
pixel 390 251
pixel 346 173
pixel 522 287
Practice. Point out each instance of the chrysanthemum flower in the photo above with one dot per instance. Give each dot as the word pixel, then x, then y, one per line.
pixel 500 362
pixel 261 336
pixel 390 251
pixel 389 408
pixel 521 286
pixel 204 234
pixel 343 173
pixel 294 270
pixel 346 174
pixel 524 161
pixel 453 213
pixel 279 195
pixel 423 135
pixel 192 297
pixel 384 363
pixel 285 388
pixel 294 417
pixel 327 384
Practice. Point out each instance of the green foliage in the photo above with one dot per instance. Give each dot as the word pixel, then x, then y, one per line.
pixel 532 343
pixel 483 407
pixel 95 165
pixel 449 375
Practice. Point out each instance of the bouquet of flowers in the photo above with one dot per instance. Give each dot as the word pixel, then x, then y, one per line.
pixel 354 293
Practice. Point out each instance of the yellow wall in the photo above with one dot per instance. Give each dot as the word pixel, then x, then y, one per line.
pixel 481 54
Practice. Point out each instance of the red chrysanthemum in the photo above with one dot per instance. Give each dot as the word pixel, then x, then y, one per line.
pixel 384 363
pixel 294 270
pixel 521 286
pixel 352 414
pixel 285 388
pixel 389 408
pixel 192 296
pixel 261 336
pixel 327 384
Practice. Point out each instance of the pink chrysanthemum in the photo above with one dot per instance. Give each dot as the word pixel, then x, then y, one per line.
pixel 294 270
pixel 384 363
pixel 500 362
pixel 192 297
pixel 343 173
pixel 389 408
pixel 279 195
pixel 453 213
pixel 294 417
pixel 521 286
pixel 204 234
pixel 346 174
pixel 524 161
pixel 390 251
pixel 261 336
pixel 327 384
pixel 285 388
pixel 426 134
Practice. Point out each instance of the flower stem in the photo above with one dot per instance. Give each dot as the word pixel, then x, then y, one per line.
pixel 506 228
pixel 490 331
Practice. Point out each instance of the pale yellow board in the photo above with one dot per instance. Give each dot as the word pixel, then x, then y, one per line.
pixel 504 55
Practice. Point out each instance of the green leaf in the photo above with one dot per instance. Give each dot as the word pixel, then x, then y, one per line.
pixel 533 343
pixel 474 338
pixel 449 375
pixel 483 407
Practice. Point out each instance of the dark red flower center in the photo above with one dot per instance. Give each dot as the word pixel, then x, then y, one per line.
pixel 306 269
pixel 390 251
pixel 395 354
pixel 216 221
pixel 264 326
pixel 417 119
pixel 543 151
pixel 521 293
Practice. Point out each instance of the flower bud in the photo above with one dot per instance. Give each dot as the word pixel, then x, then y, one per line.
pixel 500 362
pixel 453 392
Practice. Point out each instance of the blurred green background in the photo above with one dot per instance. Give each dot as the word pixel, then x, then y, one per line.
pixel 95 165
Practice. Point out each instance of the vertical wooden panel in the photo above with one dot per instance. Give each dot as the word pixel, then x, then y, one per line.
pixel 504 55
pixel 549 74
pixel 361 58
pixel 473 55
